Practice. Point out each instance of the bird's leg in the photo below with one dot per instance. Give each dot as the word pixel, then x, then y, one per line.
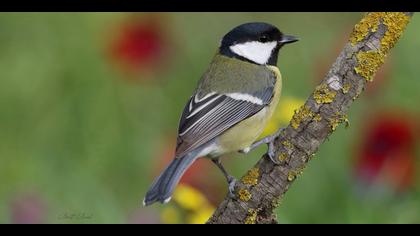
pixel 269 140
pixel 230 179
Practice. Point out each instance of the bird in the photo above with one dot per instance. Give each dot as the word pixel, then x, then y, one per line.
pixel 230 107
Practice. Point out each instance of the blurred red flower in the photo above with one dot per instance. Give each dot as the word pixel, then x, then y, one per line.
pixel 387 151
pixel 140 44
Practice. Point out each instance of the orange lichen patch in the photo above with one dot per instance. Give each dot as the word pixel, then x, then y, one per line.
pixel 244 195
pixel 323 94
pixel 251 177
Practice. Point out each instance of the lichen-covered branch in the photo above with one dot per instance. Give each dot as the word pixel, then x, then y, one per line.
pixel 261 189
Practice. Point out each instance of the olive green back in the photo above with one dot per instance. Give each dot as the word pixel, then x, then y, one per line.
pixel 230 75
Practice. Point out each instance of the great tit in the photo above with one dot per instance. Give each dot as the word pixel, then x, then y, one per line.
pixel 231 105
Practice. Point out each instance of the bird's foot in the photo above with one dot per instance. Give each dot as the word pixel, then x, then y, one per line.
pixel 271 148
pixel 230 179
pixel 271 153
pixel 231 183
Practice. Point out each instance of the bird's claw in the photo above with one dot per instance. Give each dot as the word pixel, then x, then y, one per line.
pixel 271 152
pixel 232 183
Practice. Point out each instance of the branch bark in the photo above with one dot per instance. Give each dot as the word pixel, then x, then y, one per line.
pixel 260 190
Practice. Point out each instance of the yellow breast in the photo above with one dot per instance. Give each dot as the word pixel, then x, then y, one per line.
pixel 247 131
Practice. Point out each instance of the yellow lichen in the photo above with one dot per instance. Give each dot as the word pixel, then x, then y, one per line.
pixel 287 144
pixel 251 177
pixel 338 119
pixel 251 217
pixel 299 171
pixel 317 117
pixel 369 23
pixel 244 195
pixel 395 23
pixel 301 114
pixel 323 94
pixel 291 175
pixel 346 121
pixel 334 123
pixel 370 61
pixel 355 97
pixel 282 156
pixel 277 202
pixel 346 88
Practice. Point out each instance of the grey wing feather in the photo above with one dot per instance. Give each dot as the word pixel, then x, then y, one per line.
pixel 203 121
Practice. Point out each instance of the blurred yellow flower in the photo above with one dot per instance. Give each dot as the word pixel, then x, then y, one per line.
pixel 282 115
pixel 170 215
pixel 188 197
pixel 201 216
pixel 192 207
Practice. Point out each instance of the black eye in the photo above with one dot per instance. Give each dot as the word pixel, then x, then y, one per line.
pixel 263 39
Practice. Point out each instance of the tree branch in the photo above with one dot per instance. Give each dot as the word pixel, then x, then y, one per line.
pixel 260 190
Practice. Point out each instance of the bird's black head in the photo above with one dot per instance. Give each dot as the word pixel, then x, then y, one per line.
pixel 257 43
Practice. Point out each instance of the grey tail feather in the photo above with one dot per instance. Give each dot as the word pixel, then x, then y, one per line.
pixel 162 188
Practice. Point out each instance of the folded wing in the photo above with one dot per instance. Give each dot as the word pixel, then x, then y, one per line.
pixel 205 118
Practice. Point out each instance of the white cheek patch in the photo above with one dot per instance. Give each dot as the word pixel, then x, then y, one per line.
pixel 257 52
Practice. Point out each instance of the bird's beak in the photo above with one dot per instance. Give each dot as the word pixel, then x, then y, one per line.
pixel 288 39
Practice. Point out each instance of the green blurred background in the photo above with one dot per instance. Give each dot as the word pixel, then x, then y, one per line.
pixel 90 104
